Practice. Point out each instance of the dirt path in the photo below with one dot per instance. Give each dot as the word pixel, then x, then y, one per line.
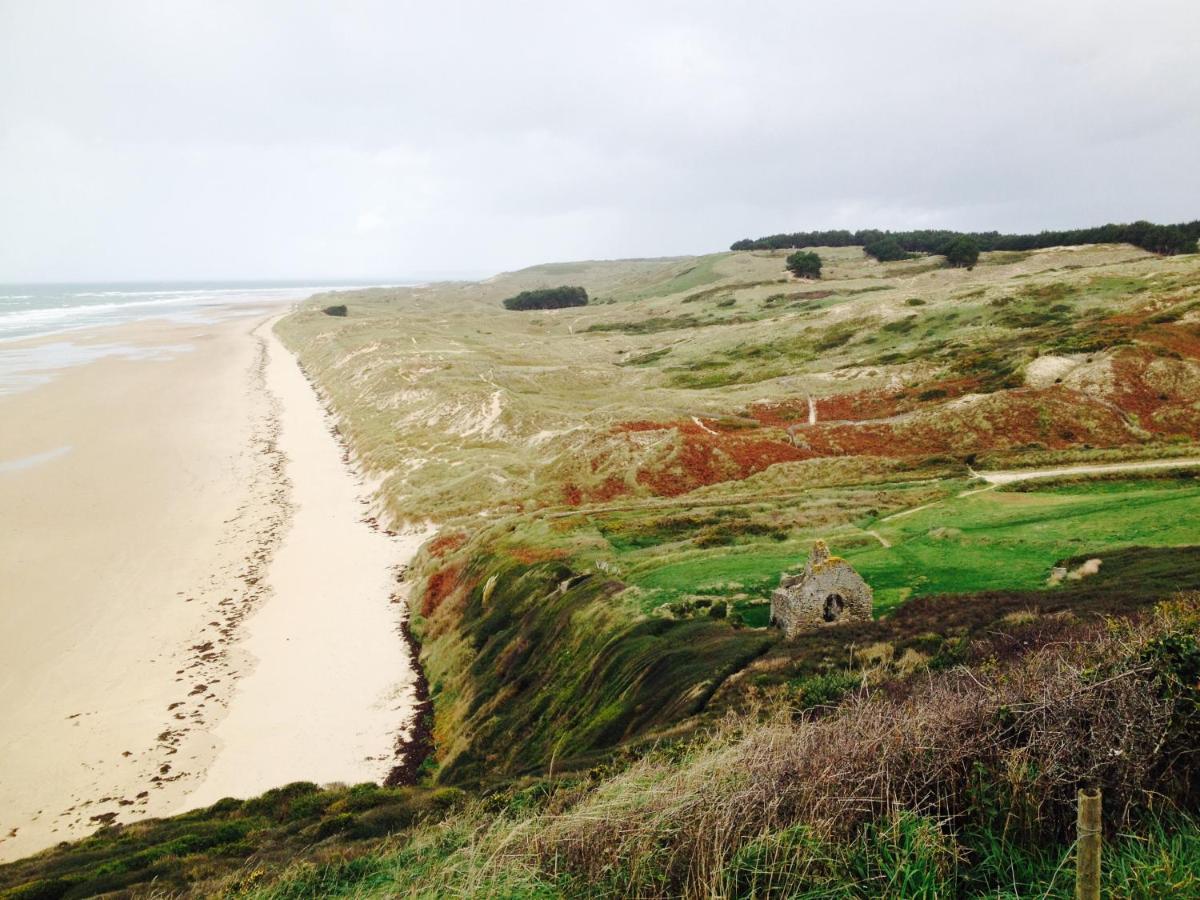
pixel 1012 476
pixel 1015 475
pixel 883 542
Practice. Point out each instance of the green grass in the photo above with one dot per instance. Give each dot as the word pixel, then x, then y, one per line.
pixel 993 540
pixel 702 272
pixel 1004 541
pixel 752 570
pixel 175 853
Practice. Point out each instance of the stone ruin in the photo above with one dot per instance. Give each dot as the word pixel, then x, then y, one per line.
pixel 827 592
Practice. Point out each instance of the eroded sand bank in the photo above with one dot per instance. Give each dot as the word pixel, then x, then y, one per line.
pixel 153 584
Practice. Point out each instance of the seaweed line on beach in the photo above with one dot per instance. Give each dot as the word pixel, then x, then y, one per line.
pixel 415 746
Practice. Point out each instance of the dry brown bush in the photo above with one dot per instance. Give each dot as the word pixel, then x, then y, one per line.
pixel 1004 750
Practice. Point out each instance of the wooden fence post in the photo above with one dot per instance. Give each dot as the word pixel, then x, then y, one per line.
pixel 1087 846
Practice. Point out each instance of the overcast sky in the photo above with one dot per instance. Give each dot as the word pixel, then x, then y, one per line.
pixel 375 140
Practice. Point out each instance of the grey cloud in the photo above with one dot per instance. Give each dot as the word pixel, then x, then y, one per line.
pixel 382 139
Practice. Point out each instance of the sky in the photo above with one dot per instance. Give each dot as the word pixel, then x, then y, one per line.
pixel 177 139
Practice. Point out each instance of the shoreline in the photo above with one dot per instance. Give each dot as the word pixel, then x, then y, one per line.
pixel 156 533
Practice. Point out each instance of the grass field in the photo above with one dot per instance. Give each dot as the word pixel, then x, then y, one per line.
pixel 991 540
pixel 1001 540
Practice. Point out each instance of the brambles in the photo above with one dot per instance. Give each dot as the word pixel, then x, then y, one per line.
pixel 548 298
pixel 804 264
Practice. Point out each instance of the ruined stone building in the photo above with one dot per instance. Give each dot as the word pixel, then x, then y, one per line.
pixel 828 591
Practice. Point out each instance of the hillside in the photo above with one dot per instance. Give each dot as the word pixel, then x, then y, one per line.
pixel 618 488
pixel 675 446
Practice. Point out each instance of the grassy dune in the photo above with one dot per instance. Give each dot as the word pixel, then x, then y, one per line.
pixel 627 480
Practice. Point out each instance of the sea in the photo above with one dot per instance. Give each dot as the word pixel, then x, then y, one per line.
pixel 62 311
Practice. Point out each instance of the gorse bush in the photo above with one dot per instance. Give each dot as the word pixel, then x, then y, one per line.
pixel 548 298
pixel 804 264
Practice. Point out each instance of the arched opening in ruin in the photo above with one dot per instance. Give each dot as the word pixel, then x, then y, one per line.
pixel 835 604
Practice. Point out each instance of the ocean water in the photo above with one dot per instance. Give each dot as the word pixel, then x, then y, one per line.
pixel 33 310
pixel 61 311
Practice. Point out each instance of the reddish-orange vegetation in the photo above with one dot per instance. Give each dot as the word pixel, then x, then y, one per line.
pixel 780 414
pixel 446 543
pixel 856 407
pixel 643 425
pixel 611 488
pixel 440 585
pixel 1181 339
pixel 878 423
pixel 862 405
pixel 1056 418
pixel 709 454
pixel 1161 410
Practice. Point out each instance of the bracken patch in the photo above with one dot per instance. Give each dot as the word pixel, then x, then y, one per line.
pixel 439 586
pixel 709 454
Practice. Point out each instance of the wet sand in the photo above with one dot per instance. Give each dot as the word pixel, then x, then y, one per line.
pixel 162 591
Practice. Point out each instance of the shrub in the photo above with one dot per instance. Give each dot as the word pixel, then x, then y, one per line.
pixel 339 310
pixel 804 264
pixel 886 249
pixel 825 689
pixel 548 298
pixel 962 253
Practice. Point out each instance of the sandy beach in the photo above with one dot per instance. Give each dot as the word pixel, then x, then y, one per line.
pixel 191 603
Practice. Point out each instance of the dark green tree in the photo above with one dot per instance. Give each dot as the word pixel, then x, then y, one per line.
pixel 548 298
pixel 886 249
pixel 804 264
pixel 962 252
pixel 1162 239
